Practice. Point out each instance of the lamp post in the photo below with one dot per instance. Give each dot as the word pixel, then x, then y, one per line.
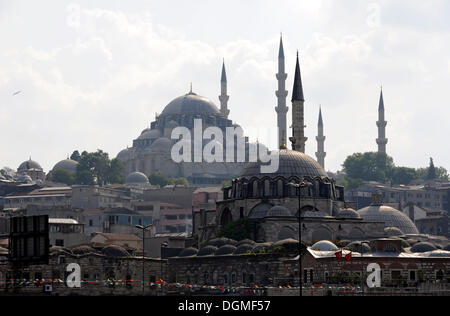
pixel 163 245
pixel 143 228
pixel 299 187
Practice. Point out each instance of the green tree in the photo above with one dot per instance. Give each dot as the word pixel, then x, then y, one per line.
pixel 431 171
pixel 370 166
pixel 403 175
pixel 158 178
pixel 63 176
pixel 116 172
pixel 75 156
pixel 179 181
pixel 238 230
pixel 97 168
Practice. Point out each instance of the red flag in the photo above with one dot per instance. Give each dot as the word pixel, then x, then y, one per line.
pixel 338 255
pixel 348 257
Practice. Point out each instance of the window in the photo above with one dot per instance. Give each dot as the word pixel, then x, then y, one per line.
pixel 412 275
pixel 61 259
pixel 59 242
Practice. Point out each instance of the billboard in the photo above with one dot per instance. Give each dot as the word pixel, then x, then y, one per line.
pixel 29 239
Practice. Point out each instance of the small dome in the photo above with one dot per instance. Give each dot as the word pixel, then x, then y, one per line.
pixel 423 247
pixel 172 124
pixel 225 250
pixel 24 178
pixel 83 250
pixel 324 245
pixel 291 245
pixel 393 231
pixel 115 251
pixel 390 217
pixel 348 213
pixel 439 254
pixel 161 145
pixel 219 242
pixel 150 134
pixel 67 165
pixel 263 246
pixel 279 211
pixel 243 249
pixel 359 247
pixel 188 252
pixel 207 251
pixel 245 242
pixel 123 154
pixel 136 178
pixel 62 250
pixel 27 165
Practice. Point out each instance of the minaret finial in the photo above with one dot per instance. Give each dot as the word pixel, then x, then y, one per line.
pixel 224 97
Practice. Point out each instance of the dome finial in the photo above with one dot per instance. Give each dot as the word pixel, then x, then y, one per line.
pixel 191 89
pixel 283 144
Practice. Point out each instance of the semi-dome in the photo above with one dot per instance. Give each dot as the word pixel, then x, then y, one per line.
pixel 188 252
pixel 423 247
pixel 161 145
pixel 291 164
pixel 348 213
pixel 136 178
pixel 190 104
pixel 390 217
pixel 393 231
pixel 225 250
pixel 278 211
pixel 324 245
pixel 67 165
pixel 243 249
pixel 29 164
pixel 207 251
pixel 150 134
pixel 123 154
pixel 115 251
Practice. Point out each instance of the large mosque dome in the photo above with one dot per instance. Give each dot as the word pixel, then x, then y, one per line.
pixel 67 165
pixel 390 216
pixel 190 103
pixel 29 164
pixel 291 164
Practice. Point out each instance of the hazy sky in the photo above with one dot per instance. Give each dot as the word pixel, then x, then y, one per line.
pixel 94 73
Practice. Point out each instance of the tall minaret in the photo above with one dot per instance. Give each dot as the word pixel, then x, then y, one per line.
pixel 320 154
pixel 381 140
pixel 281 94
pixel 223 93
pixel 298 138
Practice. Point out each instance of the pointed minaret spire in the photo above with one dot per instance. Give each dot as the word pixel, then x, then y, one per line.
pixel 281 94
pixel 298 138
pixel 223 93
pixel 320 154
pixel 381 123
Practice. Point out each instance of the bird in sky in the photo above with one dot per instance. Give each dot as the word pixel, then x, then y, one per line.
pixel 16 93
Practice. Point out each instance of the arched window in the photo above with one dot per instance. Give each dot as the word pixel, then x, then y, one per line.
pixel 267 187
pixel 226 217
pixel 280 188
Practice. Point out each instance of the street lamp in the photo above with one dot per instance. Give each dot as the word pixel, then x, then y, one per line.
pixel 143 228
pixel 299 187
pixel 163 245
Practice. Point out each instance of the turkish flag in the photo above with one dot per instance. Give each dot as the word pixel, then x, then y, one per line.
pixel 338 255
pixel 348 257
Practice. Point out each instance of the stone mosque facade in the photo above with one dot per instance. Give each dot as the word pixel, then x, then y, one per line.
pixel 151 151
pixel 276 204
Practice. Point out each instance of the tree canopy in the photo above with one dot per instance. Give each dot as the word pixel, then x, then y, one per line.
pixel 97 168
pixel 162 180
pixel 376 166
